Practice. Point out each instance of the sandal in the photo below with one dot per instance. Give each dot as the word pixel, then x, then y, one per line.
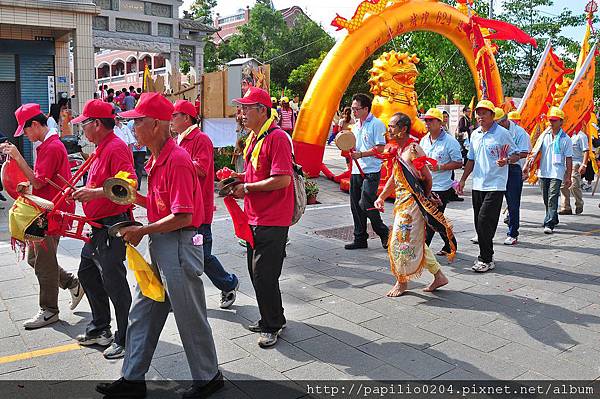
pixel 442 253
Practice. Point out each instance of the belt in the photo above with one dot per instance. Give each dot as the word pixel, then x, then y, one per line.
pixel 110 220
pixel 189 228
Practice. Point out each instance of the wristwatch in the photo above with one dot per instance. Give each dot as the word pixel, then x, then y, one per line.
pixel 246 191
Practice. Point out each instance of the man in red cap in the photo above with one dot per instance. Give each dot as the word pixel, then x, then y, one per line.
pixel 51 161
pixel 268 195
pixel 175 212
pixel 184 122
pixel 101 271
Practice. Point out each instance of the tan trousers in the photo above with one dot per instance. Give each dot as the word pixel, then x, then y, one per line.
pixel 42 257
pixel 432 263
pixel 575 190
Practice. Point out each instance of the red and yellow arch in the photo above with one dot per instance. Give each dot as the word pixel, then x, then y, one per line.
pixel 347 56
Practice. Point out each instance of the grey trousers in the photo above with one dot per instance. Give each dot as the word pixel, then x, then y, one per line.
pixel 180 265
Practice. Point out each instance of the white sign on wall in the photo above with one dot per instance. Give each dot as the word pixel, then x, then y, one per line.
pixel 51 92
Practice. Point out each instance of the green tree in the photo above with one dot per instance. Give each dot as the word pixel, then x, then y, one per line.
pixel 201 10
pixel 300 78
pixel 268 38
pixel 516 60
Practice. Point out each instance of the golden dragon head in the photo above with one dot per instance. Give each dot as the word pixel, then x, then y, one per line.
pixel 392 71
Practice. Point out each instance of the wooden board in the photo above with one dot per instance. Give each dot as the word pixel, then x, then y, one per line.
pixel 212 95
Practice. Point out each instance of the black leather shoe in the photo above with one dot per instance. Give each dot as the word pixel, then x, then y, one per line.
pixel 122 388
pixel 384 241
pixel 356 245
pixel 197 391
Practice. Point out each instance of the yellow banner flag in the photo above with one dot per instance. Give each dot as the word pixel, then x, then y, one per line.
pixel 591 128
pixel 550 71
pixel 578 103
pixel 585 48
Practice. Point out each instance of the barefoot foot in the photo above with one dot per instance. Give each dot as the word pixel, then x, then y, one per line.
pixel 439 280
pixel 397 290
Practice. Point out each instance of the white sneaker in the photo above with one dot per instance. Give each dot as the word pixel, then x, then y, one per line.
pixel 114 351
pixel 548 230
pixel 475 240
pixel 482 267
pixel 228 297
pixel 43 318
pixel 77 294
pixel 510 241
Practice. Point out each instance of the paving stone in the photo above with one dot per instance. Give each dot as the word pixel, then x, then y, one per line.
pixel 347 291
pixel 297 309
pixel 316 371
pixel 7 327
pixel 393 308
pixel 174 367
pixel 340 355
pixel 297 331
pixel 458 374
pixel 473 338
pixel 346 309
pixel 347 332
pixel 468 317
pixel 544 363
pixel 583 354
pixel 474 361
pixel 413 362
pixel 386 373
pixel 302 290
pixel 532 376
pixel 282 357
pixel 306 275
pixel 13 272
pixel 402 332
pixel 551 339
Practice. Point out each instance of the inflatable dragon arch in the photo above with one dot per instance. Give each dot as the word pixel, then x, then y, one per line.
pixel 375 23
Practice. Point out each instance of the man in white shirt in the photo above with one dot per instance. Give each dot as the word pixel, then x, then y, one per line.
pixel 580 159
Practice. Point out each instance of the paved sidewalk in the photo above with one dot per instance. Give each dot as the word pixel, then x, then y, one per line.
pixel 536 316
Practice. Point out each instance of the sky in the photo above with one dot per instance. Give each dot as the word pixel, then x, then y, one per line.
pixel 323 11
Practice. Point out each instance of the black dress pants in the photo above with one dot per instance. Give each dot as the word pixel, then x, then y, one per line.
pixel 487 206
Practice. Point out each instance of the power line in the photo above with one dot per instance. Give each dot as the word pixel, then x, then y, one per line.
pixel 294 50
pixel 438 72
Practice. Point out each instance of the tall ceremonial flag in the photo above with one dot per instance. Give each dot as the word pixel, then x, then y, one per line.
pixel 578 103
pixel 538 95
pixel 591 128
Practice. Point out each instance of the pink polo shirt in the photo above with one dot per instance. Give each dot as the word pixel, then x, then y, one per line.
pixel 270 208
pixel 200 148
pixel 173 185
pixel 113 157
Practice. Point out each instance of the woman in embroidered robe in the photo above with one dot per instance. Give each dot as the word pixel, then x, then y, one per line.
pixel 414 208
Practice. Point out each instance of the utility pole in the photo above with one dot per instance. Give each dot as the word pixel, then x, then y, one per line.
pixel 491 11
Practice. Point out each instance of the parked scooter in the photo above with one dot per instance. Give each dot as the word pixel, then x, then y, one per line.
pixel 75 155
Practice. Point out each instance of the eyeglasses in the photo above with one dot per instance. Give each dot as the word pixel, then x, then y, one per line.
pixel 356 109
pixel 87 122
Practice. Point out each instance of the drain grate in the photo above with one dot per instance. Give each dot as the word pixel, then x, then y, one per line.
pixel 344 233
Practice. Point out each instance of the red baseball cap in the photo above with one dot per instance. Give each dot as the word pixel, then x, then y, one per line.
pixel 95 109
pixel 185 107
pixel 24 113
pixel 255 95
pixel 151 105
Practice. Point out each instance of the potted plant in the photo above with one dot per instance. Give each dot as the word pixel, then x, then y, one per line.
pixel 312 189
